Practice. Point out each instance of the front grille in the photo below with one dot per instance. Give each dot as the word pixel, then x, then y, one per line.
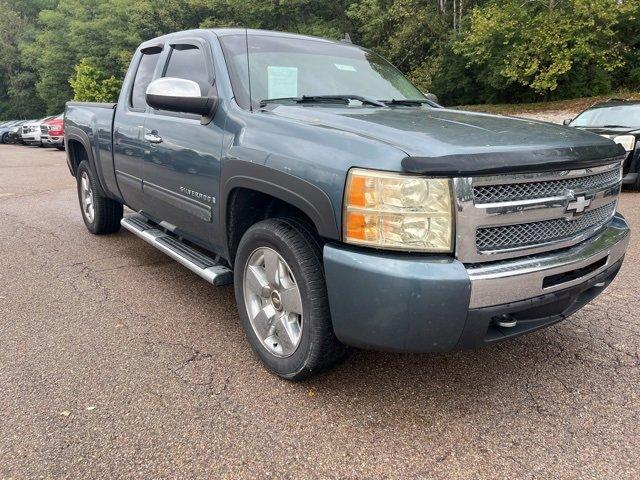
pixel 499 217
pixel 551 188
pixel 44 129
pixel 538 233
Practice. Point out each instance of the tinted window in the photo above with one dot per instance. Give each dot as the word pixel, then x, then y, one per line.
pixel 188 62
pixel 144 75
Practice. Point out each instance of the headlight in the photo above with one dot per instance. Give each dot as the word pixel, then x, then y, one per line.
pixel 627 141
pixel 398 212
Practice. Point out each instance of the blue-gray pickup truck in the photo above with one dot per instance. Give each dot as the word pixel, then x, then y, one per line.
pixel 346 207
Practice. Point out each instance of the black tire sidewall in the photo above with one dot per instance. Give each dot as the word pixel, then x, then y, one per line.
pixel 261 235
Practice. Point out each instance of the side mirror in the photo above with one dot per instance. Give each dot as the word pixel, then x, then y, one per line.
pixel 567 121
pixel 178 95
pixel 433 97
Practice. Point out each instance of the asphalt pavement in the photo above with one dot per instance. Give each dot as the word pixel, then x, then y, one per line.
pixel 117 362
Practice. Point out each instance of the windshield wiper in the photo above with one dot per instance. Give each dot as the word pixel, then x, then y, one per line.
pixel 410 103
pixel 325 99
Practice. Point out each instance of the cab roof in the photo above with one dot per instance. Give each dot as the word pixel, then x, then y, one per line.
pixel 222 32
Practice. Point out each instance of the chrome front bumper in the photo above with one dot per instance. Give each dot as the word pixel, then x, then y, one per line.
pixel 52 140
pixel 514 280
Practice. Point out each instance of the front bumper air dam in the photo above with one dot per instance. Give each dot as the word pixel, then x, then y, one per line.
pixel 55 141
pixel 408 303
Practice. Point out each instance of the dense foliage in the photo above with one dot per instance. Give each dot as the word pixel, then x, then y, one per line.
pixel 466 51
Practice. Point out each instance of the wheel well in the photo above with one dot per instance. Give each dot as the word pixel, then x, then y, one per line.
pixel 247 207
pixel 77 154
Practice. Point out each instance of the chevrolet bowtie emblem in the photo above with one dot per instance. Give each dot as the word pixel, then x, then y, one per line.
pixel 579 205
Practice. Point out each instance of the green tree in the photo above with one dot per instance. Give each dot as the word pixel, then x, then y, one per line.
pixel 18 25
pixel 538 44
pixel 91 84
pixel 466 51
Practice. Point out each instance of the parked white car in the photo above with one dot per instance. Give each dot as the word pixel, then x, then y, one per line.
pixel 31 132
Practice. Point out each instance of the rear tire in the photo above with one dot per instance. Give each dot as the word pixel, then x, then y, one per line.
pixel 101 215
pixel 312 347
pixel 3 140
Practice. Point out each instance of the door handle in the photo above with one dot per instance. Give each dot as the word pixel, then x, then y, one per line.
pixel 153 137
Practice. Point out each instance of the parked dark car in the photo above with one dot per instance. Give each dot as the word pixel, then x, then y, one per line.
pixel 345 206
pixel 14 133
pixel 5 129
pixel 618 120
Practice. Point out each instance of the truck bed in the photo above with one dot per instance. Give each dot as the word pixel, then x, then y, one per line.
pixel 91 124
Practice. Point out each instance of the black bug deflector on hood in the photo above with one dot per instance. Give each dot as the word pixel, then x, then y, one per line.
pixel 515 161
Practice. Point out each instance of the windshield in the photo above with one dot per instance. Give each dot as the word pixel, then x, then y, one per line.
pixel 617 115
pixel 285 67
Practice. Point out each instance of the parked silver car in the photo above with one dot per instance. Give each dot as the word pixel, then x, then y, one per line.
pixel 32 133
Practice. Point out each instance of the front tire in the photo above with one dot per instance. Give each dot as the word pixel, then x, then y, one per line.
pixel 101 215
pixel 3 140
pixel 282 299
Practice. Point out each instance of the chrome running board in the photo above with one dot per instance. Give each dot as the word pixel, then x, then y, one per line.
pixel 197 262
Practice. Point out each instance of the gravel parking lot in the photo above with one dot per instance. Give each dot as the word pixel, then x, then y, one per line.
pixel 116 362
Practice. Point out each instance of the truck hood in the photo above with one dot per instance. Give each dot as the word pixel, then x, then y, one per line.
pixel 443 141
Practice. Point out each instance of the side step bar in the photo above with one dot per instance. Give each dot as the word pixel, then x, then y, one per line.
pixel 200 264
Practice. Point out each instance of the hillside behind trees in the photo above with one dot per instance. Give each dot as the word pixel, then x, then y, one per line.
pixel 465 51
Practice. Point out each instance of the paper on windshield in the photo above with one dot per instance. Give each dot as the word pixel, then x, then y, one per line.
pixel 345 68
pixel 282 82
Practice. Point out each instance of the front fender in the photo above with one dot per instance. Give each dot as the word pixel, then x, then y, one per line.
pixel 305 196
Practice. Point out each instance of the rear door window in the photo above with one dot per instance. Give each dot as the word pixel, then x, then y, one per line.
pixel 144 75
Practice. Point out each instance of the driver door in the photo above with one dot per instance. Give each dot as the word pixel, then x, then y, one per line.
pixel 181 171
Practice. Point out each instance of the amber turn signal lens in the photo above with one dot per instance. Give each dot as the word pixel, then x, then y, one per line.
pixel 356 226
pixel 356 192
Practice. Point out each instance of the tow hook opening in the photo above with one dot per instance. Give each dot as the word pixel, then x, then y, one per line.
pixel 505 321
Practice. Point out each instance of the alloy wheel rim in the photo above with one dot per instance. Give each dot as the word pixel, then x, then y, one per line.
pixel 273 302
pixel 86 197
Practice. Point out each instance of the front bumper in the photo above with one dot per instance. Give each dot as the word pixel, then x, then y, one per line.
pixel 630 178
pixel 400 302
pixel 31 139
pixel 55 141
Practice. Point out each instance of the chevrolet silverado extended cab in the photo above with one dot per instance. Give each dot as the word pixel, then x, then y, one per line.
pixel 346 208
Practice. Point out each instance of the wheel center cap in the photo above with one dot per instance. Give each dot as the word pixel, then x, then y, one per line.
pixel 276 300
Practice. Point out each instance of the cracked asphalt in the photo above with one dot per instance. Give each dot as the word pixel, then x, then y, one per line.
pixel 116 362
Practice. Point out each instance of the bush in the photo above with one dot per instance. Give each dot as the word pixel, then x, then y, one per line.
pixel 529 48
pixel 90 84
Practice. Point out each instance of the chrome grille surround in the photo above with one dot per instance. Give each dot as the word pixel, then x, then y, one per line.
pixel 539 220
pixel 549 188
